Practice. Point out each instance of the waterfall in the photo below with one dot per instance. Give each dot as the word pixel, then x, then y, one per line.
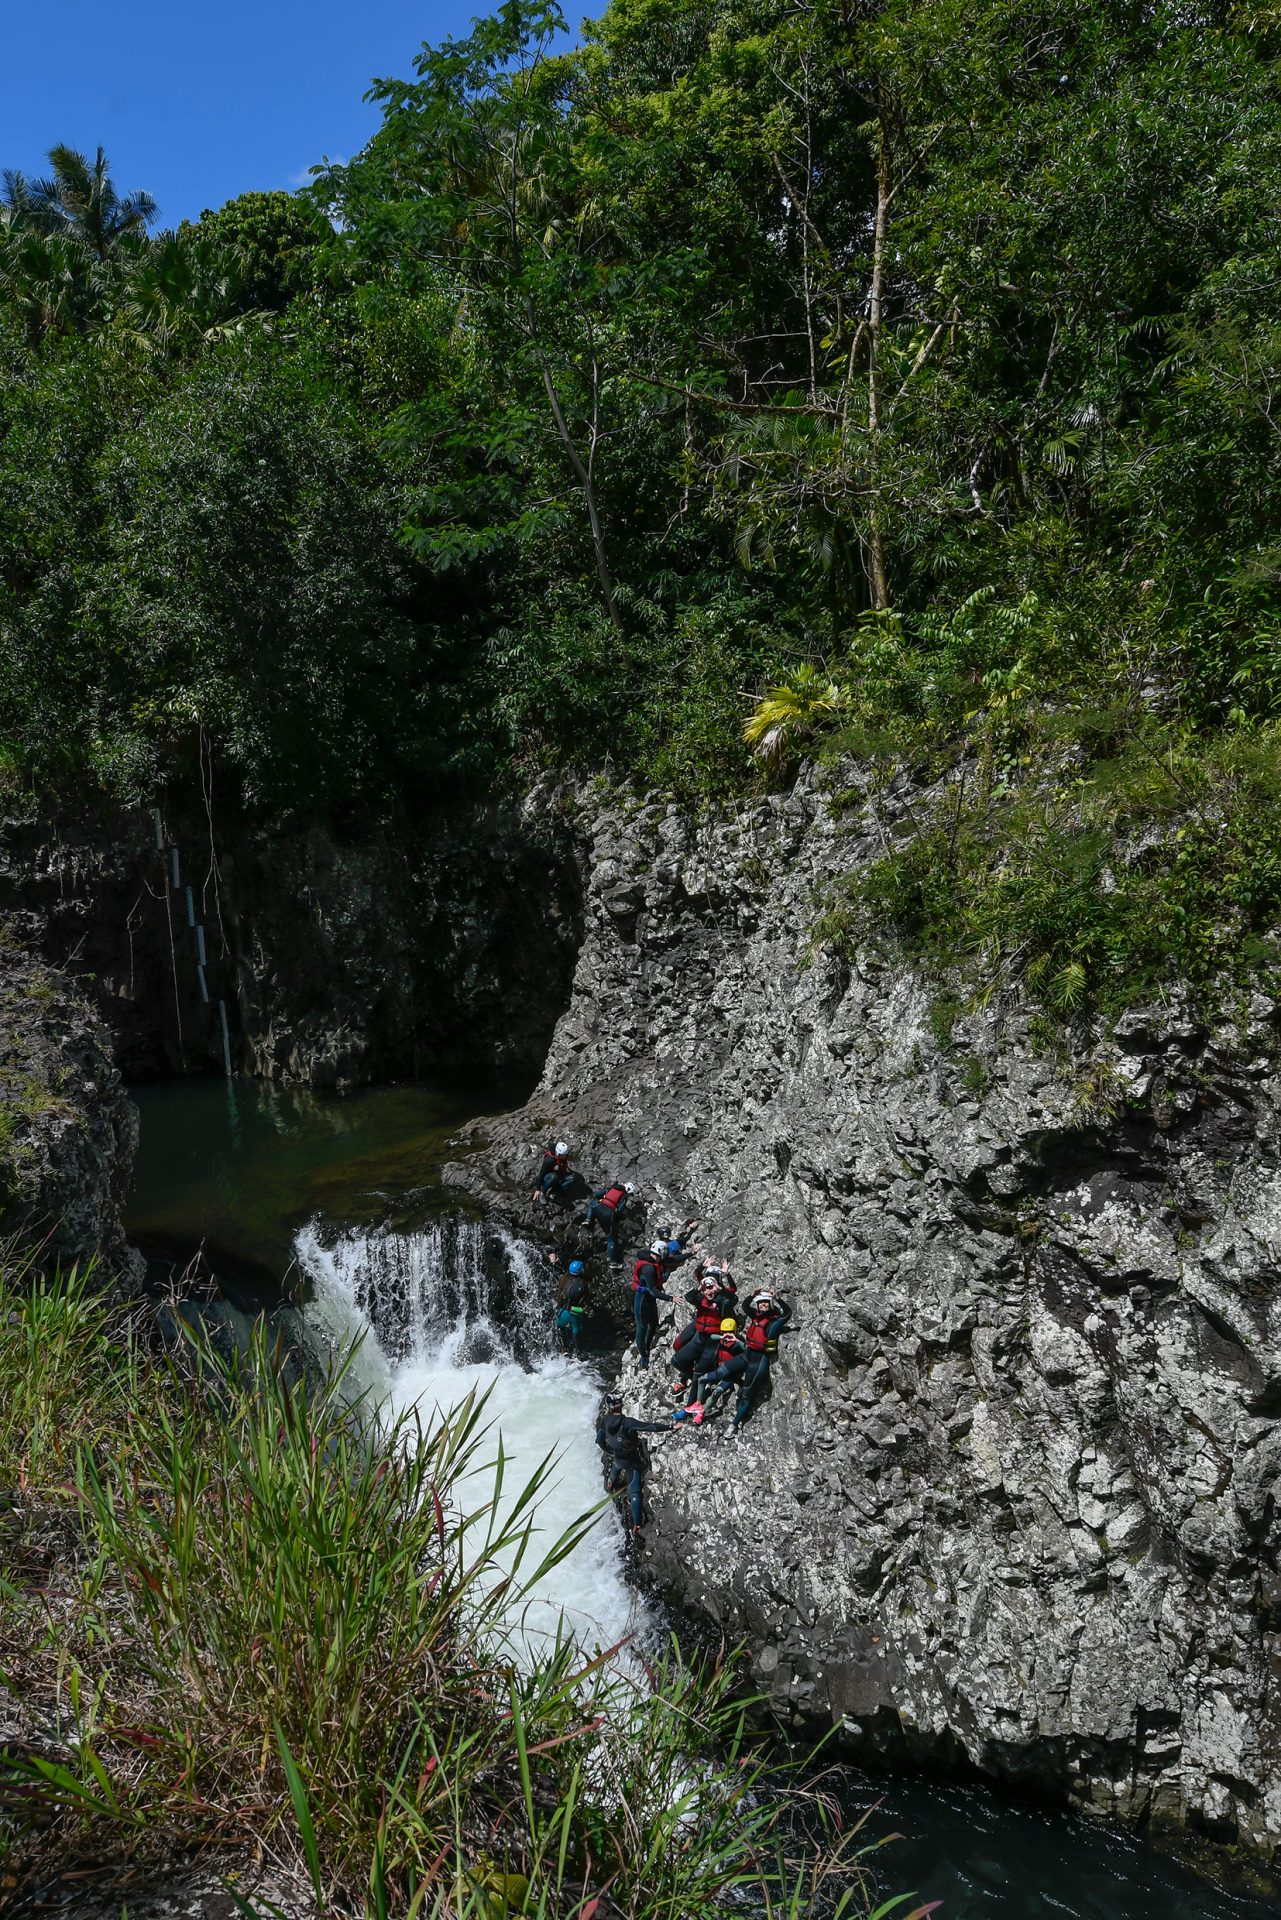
pixel 465 1306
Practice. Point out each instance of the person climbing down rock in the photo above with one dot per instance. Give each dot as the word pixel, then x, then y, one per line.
pixel 648 1278
pixel 605 1210
pixel 618 1437
pixel 555 1178
pixel 574 1299
pixel 713 1388
pixel 767 1317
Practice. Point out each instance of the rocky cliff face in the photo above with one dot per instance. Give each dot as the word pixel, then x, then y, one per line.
pixel 1013 1497
pixel 446 944
pixel 67 1128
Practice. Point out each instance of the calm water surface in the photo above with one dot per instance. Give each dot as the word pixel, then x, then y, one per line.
pixel 240 1165
pixel 254 1172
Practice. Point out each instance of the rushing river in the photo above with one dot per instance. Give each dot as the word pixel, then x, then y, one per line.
pixel 337 1202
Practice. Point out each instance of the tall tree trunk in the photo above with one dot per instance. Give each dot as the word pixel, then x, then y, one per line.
pixel 875 313
pixel 583 475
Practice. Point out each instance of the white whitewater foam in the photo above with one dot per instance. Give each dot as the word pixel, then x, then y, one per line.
pixel 422 1303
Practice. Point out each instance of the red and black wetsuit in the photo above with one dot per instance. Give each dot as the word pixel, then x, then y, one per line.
pixel 760 1337
pixel 647 1291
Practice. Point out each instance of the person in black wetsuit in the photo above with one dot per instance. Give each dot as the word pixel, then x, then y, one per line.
pixel 767 1317
pixel 649 1275
pixel 618 1437
pixel 728 1365
pixel 696 1343
pixel 555 1176
pixel 574 1304
pixel 606 1209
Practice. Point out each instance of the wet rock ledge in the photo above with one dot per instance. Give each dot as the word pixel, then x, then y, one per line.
pixel 1013 1500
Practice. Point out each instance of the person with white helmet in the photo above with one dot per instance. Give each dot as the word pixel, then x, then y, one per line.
pixel 768 1315
pixel 649 1283
pixel 555 1177
pixel 713 1296
pixel 605 1209
pixel 649 1277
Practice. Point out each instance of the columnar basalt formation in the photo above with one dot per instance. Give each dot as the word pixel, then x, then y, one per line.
pixel 1012 1499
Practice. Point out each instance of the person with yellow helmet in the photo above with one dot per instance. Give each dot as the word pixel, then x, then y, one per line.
pixel 729 1364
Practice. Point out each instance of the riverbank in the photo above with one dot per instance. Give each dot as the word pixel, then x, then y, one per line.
pixel 992 1519
pixel 245 1634
pixel 435 1296
pixel 67 1128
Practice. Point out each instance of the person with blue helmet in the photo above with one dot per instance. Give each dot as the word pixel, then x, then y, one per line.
pixel 574 1304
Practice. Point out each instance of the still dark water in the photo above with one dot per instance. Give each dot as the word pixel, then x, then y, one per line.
pixel 238 1167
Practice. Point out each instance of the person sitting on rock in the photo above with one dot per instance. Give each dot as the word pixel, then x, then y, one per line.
pixel 767 1317
pixel 555 1179
pixel 719 1269
pixel 618 1437
pixel 574 1298
pixel 696 1343
pixel 605 1209
pixel 712 1296
pixel 730 1364
pixel 648 1288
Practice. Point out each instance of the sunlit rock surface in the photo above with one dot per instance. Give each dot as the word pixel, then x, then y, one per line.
pixel 1013 1496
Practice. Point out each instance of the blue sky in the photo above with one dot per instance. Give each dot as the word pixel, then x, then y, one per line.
pixel 197 103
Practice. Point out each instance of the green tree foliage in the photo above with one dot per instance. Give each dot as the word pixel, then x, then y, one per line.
pixel 915 362
pixel 77 201
pixel 272 238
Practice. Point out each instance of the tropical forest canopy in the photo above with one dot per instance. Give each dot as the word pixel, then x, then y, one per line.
pixel 891 380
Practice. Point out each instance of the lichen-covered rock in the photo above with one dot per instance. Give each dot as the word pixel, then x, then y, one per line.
pixel 1013 1496
pixel 67 1128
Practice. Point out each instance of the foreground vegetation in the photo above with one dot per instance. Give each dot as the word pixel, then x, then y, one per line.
pixel 238 1629
pixel 909 368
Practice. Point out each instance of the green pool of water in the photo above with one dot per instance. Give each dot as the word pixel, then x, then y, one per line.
pixel 238 1164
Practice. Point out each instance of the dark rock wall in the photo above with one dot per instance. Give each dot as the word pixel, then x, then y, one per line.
pixel 1013 1498
pixel 449 943
pixel 67 1128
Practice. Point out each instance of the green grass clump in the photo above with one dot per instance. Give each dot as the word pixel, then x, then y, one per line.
pixel 241 1620
pixel 1094 885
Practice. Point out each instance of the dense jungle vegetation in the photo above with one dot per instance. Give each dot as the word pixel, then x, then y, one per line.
pixel 897 377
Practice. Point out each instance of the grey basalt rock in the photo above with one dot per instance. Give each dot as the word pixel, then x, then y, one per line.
pixel 1013 1497
pixel 68 1130
pixel 436 944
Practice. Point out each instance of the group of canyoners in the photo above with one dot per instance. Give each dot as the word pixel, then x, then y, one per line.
pixel 725 1347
